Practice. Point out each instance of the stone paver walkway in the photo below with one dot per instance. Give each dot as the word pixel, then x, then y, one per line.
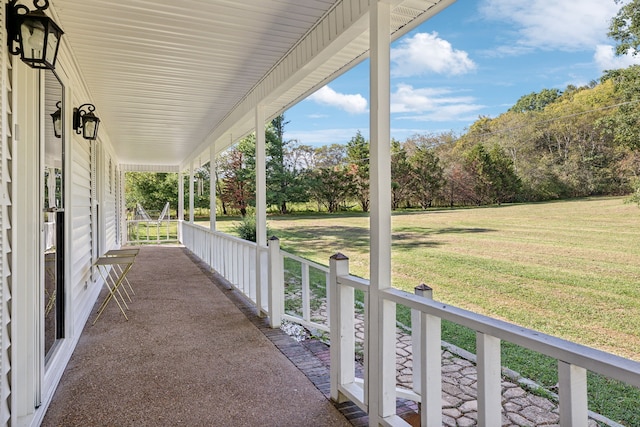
pixel 459 388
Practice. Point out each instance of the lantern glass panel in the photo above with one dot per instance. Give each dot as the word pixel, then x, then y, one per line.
pixel 57 124
pixel 32 34
pixel 53 40
pixel 90 127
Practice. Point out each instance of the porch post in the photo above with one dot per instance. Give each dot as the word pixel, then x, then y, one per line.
pixel 276 284
pixel 574 408
pixel 124 219
pixel 382 396
pixel 191 176
pixel 212 189
pixel 180 196
pixel 261 204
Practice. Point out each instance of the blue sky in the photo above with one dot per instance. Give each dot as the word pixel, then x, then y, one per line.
pixel 476 58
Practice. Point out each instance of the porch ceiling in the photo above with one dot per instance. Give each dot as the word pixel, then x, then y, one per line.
pixel 169 78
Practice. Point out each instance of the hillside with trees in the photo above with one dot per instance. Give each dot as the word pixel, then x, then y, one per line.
pixel 553 144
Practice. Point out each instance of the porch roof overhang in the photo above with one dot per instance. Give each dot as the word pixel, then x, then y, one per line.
pixel 172 79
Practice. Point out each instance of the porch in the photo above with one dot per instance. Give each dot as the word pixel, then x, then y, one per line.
pixel 194 351
pixel 191 80
pixel 188 355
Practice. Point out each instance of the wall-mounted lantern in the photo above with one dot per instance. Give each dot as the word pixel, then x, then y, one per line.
pixel 85 122
pixel 32 34
pixel 56 116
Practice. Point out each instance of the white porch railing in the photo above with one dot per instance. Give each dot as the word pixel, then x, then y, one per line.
pixel 306 292
pixel 292 288
pixel 152 231
pixel 574 360
pixel 284 275
pixel 233 258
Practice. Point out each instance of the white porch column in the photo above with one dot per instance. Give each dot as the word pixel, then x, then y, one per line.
pixel 212 189
pixel 382 398
pixel 123 217
pixel 261 204
pixel 180 196
pixel 191 205
pixel 180 204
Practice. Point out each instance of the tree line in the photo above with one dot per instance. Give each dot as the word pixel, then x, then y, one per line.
pixel 552 144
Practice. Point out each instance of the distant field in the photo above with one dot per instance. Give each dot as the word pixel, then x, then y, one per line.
pixel 570 268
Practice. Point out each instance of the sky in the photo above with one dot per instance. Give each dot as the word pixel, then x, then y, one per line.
pixel 475 58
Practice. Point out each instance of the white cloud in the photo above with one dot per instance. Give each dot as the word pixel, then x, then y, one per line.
pixel 424 53
pixel 326 136
pixel 353 104
pixel 606 58
pixel 428 104
pixel 553 24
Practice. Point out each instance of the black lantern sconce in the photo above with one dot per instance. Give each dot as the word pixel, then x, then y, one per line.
pixel 85 122
pixel 36 35
pixel 56 116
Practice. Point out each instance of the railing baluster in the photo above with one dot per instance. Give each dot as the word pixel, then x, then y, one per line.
pixel 489 380
pixel 572 381
pixel 306 295
pixel 327 282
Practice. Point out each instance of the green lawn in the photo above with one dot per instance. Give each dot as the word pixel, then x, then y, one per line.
pixel 570 269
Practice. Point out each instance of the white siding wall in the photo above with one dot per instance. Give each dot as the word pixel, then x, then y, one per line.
pixel 107 195
pixel 6 145
pixel 80 244
pixel 109 202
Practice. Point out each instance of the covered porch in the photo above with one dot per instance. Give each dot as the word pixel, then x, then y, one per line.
pixel 174 84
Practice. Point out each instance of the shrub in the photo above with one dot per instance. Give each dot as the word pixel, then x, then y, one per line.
pixel 246 228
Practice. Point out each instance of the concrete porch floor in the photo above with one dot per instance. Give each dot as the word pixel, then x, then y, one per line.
pixel 190 354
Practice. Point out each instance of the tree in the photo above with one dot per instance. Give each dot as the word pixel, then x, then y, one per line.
pixel 625 123
pixel 330 187
pixel 536 101
pixel 285 183
pixel 426 175
pixel 625 28
pixel 152 190
pixel 302 157
pixel 358 158
pixel 220 162
pixel 329 156
pixel 238 175
pixel 401 173
pixel 495 179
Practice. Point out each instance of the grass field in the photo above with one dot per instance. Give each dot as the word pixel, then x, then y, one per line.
pixel 569 269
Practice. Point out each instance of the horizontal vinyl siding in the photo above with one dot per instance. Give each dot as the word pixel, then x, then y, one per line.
pixel 79 248
pixel 109 204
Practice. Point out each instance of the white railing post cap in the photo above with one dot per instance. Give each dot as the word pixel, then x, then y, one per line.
pixel 424 290
pixel 274 238
pixel 339 257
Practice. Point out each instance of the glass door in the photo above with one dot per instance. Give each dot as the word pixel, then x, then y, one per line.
pixel 53 213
